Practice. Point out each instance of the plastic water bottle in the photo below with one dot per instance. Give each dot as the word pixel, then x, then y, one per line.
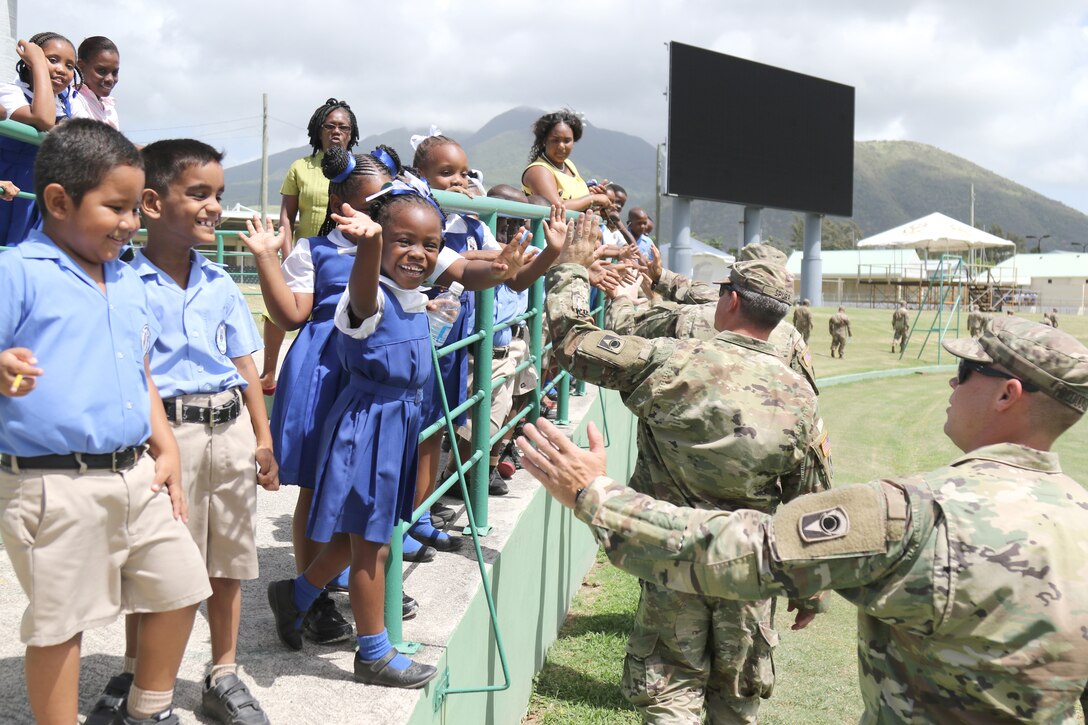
pixel 446 308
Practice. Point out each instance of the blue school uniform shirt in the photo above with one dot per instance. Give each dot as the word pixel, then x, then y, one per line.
pixel 645 246
pixel 508 305
pixel 203 327
pixel 92 396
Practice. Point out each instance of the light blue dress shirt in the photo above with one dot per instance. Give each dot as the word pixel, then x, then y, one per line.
pixel 92 396
pixel 203 327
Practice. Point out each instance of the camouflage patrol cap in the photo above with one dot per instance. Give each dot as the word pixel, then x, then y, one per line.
pixel 761 251
pixel 1053 360
pixel 767 277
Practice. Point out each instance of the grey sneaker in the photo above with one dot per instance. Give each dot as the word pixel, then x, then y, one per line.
pixel 230 702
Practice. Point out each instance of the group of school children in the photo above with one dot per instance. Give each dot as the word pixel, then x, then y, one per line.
pixel 123 381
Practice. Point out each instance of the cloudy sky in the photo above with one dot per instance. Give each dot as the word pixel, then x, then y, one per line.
pixel 1002 83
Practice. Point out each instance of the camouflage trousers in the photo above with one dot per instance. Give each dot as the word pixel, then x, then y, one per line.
pixel 838 342
pixel 688 653
pixel 805 333
pixel 899 338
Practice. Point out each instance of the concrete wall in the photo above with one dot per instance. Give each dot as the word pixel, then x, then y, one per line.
pixel 534 578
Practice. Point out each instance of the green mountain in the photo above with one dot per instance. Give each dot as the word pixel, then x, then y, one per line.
pixel 894 182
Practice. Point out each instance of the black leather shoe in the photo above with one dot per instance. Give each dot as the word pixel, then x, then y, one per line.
pixel 442 516
pixel 112 700
pixel 281 598
pixel 324 624
pixel 377 672
pixel 163 717
pixel 421 555
pixel 409 607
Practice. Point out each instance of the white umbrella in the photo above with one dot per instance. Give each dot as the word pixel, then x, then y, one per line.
pixel 935 233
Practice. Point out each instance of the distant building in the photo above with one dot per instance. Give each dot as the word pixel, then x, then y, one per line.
pixel 1055 279
pixel 708 264
pixel 875 277
pixel 9 15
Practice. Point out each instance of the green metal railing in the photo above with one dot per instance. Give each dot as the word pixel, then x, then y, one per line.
pixel 472 475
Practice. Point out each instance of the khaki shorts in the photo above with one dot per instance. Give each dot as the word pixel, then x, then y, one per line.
pixel 502 396
pixel 89 547
pixel 220 479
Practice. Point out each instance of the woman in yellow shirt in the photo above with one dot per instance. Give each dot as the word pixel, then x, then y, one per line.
pixel 551 173
pixel 305 201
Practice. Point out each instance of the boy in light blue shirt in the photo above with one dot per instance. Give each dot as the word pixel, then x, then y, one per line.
pixel 85 447
pixel 202 365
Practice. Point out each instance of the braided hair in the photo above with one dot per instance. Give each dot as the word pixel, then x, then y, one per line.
pixel 322 113
pixel 336 162
pixel 40 39
pixel 381 209
pixel 427 146
pixel 543 126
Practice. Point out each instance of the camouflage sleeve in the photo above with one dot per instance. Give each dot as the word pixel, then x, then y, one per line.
pixel 620 316
pixel 678 288
pixel 842 539
pixel 618 362
pixel 815 473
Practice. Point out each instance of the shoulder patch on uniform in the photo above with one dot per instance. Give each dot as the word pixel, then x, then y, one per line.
pixel 611 343
pixel 842 522
pixel 833 523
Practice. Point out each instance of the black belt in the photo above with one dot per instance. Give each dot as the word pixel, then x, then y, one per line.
pixel 500 353
pixel 121 460
pixel 201 414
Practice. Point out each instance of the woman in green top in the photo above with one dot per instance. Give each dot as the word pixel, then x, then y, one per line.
pixel 551 173
pixel 305 199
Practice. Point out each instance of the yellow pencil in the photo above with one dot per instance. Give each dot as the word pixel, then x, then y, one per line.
pixel 16 383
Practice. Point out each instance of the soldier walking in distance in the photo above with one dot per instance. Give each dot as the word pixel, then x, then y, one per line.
pixel 723 423
pixel 900 326
pixel 839 327
pixel 975 321
pixel 969 580
pixel 1051 318
pixel 802 319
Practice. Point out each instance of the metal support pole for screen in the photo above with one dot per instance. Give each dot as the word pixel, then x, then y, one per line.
pixel 811 265
pixel 680 249
pixel 753 225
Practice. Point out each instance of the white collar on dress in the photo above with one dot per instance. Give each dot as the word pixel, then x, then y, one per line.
pixel 411 300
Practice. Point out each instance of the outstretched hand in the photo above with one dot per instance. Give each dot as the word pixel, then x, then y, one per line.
pixel 556 462
pixel 356 226
pixel 262 239
pixel 555 228
pixel 580 243
pixel 606 276
pixel 514 255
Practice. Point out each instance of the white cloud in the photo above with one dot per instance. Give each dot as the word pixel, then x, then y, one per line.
pixel 1002 83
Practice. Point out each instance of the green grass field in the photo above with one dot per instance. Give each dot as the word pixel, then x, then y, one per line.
pixel 879 428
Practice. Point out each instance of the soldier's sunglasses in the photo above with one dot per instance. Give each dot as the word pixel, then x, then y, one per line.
pixel 970 366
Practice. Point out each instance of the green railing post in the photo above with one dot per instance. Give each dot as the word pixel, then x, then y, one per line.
pixel 536 325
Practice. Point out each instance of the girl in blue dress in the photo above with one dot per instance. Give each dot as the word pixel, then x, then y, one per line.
pixel 302 296
pixel 369 441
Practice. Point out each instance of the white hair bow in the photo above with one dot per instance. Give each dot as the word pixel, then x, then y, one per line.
pixel 417 139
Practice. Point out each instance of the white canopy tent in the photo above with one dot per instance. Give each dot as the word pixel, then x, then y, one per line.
pixel 936 233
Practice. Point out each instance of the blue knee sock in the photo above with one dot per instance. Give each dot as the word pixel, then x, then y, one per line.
pixel 425 530
pixel 410 545
pixel 305 595
pixel 374 646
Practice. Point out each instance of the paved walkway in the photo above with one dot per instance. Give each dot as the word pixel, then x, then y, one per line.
pixel 311 686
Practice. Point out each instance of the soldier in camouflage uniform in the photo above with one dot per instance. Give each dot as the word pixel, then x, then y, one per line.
pixel 839 327
pixel 975 321
pixel 802 319
pixel 1051 318
pixel 970 580
pixel 723 423
pixel 685 308
pixel 900 326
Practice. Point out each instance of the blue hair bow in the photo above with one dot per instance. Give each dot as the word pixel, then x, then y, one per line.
pixel 383 156
pixel 343 175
